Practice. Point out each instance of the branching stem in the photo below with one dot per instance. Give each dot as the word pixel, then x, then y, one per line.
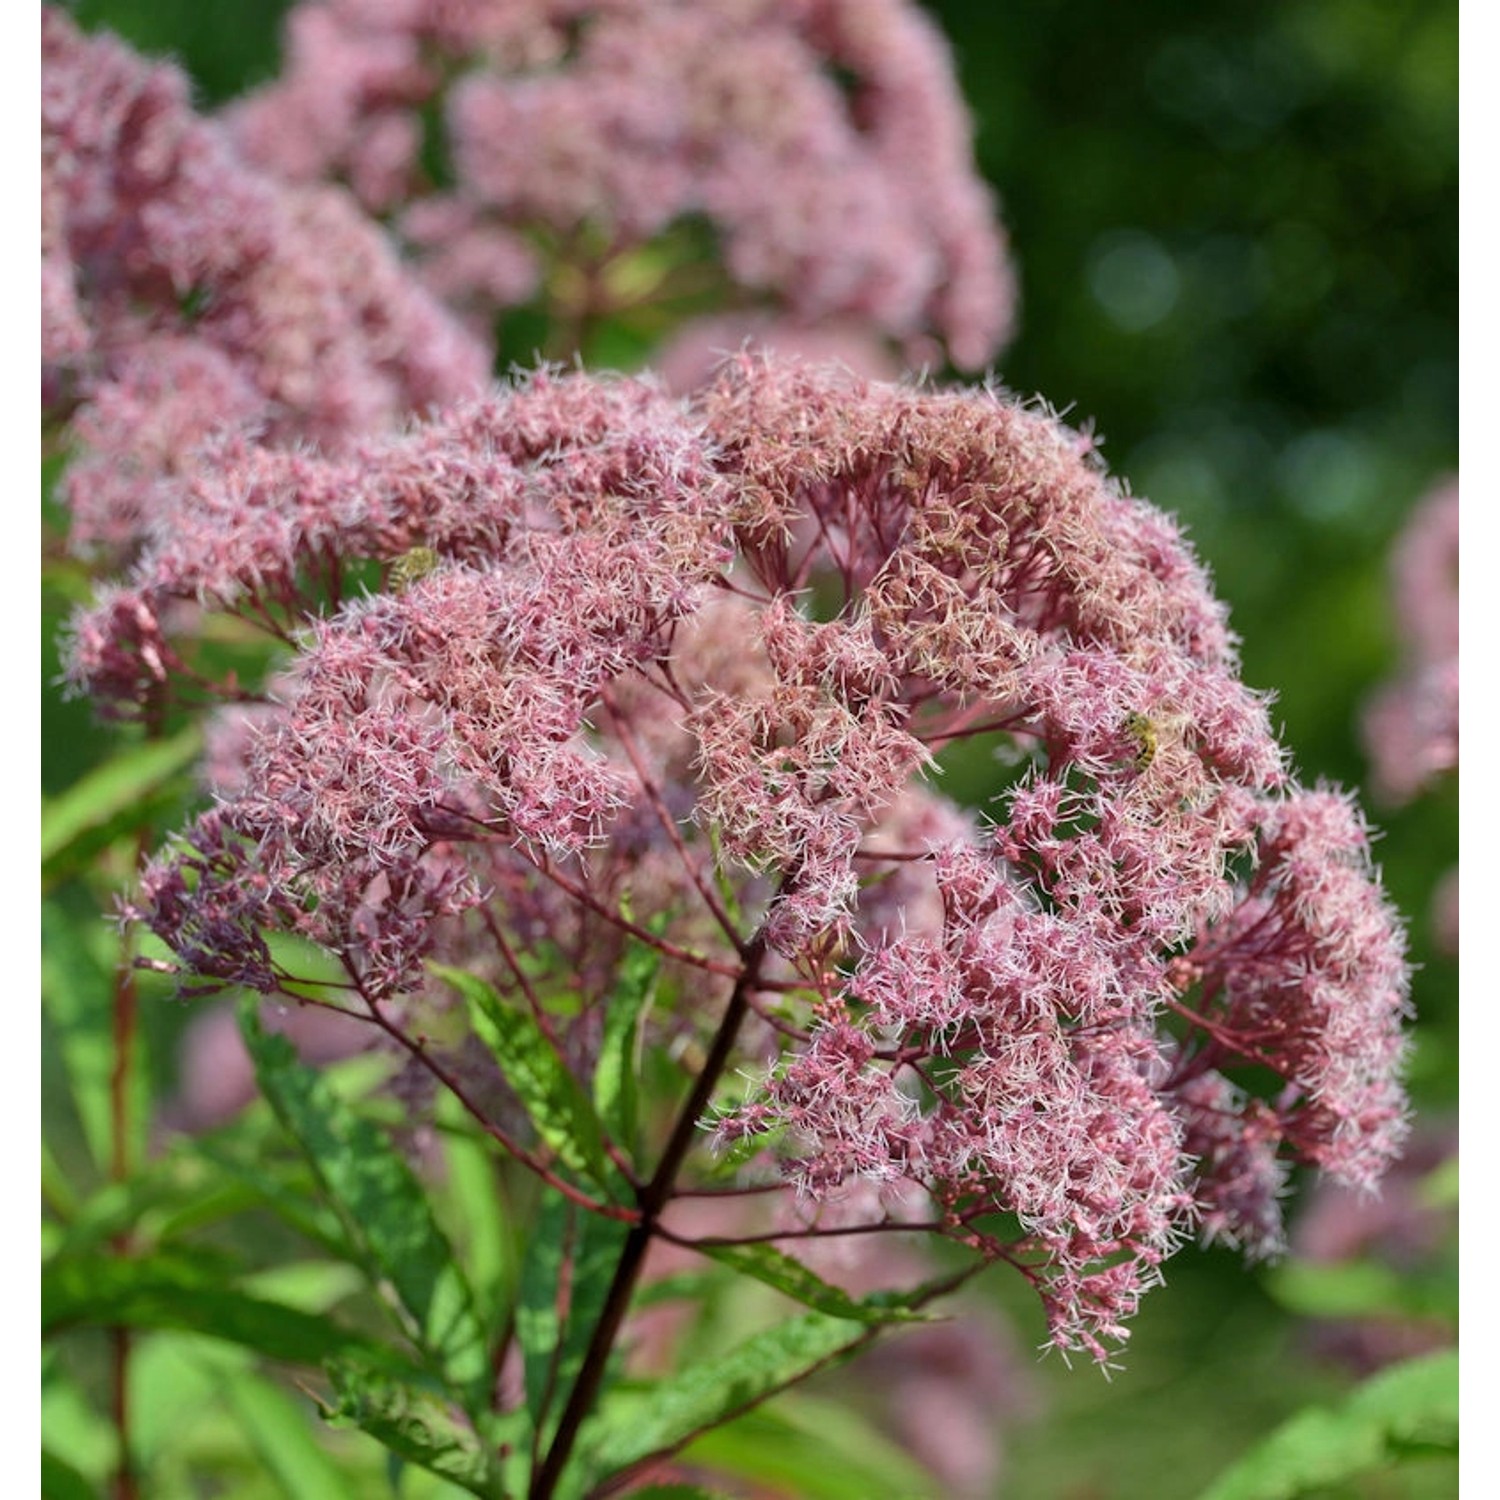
pixel 651 1200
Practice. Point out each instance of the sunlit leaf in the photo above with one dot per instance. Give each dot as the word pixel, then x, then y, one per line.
pixel 817 1450
pixel 190 1293
pixel 71 1425
pixel 552 1096
pixel 637 1425
pixel 418 1427
pixel 570 1252
pixel 767 1264
pixel 112 799
pixel 1359 1288
pixel 618 1067
pixel 1409 1410
pixel 478 1220
pixel 383 1208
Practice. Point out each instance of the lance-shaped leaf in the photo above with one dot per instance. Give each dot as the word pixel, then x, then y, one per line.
pixel 776 1269
pixel 615 1073
pixel 639 1425
pixel 383 1208
pixel 191 1293
pixel 57 1192
pixel 565 1278
pixel 551 1095
pixel 287 1193
pixel 180 1191
pixel 420 1428
pixel 114 798
pixel 1410 1409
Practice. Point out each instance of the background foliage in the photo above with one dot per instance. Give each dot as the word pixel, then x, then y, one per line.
pixel 1235 228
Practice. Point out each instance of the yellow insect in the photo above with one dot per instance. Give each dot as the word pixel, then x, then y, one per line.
pixel 411 566
pixel 1142 729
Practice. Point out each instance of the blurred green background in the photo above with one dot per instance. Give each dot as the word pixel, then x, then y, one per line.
pixel 1236 233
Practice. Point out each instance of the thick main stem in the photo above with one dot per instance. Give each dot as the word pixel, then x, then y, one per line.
pixel 651 1200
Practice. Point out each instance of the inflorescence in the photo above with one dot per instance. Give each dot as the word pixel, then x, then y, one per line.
pixel 640 670
pixel 524 150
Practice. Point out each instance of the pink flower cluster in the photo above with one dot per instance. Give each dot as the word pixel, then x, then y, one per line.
pixel 185 293
pixel 1411 727
pixel 448 711
pixel 822 141
pixel 683 673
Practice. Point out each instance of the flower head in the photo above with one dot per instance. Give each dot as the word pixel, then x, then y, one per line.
pixel 186 293
pixel 824 143
pixel 684 672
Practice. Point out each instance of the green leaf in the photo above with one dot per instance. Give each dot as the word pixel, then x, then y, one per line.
pixel 78 960
pixel 654 1423
pixel 175 1400
pixel 552 1096
pixel 726 1162
pixel 1439 1188
pixel 419 1427
pixel 57 1191
pixel 385 1213
pixel 680 1286
pixel 279 1433
pixel 676 1492
pixel 71 1424
pixel 616 1072
pixel 180 1190
pixel 729 896
pixel 286 1193
pixel 1408 1410
pixel 767 1264
pixel 815 1449
pixel 112 799
pixel 311 1286
pixel 190 1293
pixel 1357 1289
pixel 477 1220
pixel 61 1481
pixel 573 1249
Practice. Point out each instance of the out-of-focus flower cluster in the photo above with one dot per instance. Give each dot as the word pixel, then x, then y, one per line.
pixel 1411 727
pixel 822 142
pixel 186 293
pixel 677 672
pixel 1408 1236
